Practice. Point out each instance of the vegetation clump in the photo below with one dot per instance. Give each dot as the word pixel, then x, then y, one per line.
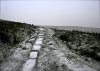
pixel 12 33
pixel 83 43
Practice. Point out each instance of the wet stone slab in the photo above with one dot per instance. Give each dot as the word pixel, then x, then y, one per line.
pixel 38 42
pixel 33 55
pixel 41 29
pixel 41 35
pixel 40 39
pixel 36 47
pixel 29 65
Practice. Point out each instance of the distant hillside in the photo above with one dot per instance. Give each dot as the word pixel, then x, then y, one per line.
pixel 84 29
pixel 14 32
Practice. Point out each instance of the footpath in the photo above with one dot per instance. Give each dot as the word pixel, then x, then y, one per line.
pixel 30 64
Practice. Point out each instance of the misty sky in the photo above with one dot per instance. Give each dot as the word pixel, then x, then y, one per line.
pixel 52 12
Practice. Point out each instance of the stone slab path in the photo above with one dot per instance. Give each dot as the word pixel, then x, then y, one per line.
pixel 36 47
pixel 33 55
pixel 31 62
pixel 29 65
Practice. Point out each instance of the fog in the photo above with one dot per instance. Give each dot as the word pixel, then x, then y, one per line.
pixel 52 12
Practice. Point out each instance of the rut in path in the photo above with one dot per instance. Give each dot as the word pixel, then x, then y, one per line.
pixel 31 62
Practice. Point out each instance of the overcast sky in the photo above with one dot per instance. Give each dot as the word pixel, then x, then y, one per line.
pixel 52 12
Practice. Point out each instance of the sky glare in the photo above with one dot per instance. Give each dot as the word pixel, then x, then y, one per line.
pixel 52 12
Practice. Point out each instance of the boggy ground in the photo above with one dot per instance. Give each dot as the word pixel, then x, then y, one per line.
pixel 83 43
pixel 56 56
pixel 19 55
